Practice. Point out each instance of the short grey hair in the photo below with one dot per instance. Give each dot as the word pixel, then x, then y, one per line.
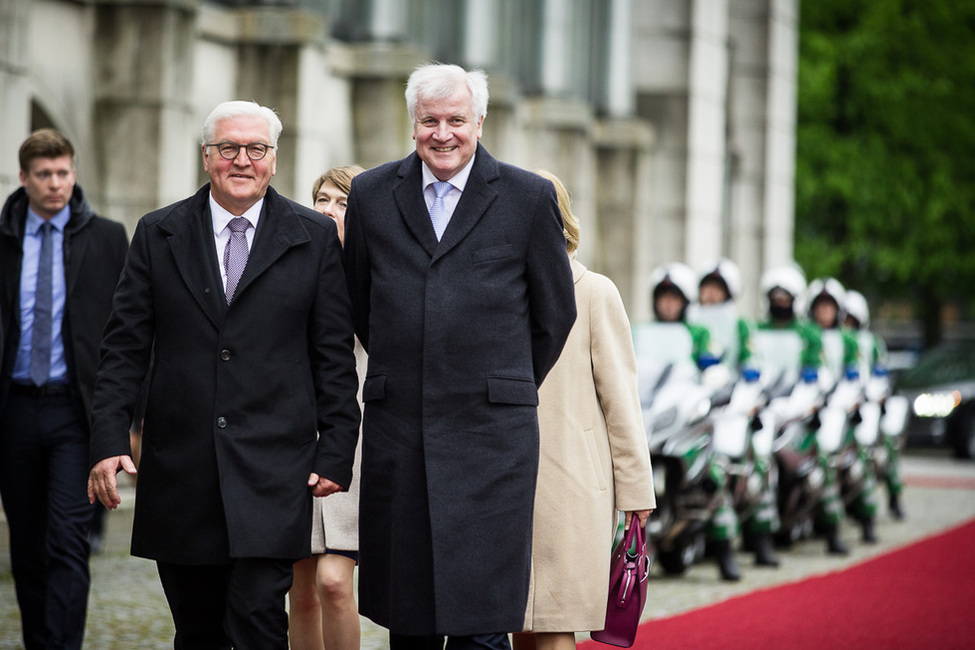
pixel 439 80
pixel 239 108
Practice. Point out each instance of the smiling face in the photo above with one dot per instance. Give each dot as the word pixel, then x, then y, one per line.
pixel 239 183
pixel 446 132
pixel 49 183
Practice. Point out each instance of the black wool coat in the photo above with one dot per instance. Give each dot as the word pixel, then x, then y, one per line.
pixel 460 334
pixel 236 393
pixel 94 251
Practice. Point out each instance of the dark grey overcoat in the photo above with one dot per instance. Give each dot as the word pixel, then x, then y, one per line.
pixel 236 393
pixel 460 334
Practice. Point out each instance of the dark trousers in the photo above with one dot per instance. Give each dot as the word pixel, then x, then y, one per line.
pixel 238 605
pixel 435 642
pixel 44 486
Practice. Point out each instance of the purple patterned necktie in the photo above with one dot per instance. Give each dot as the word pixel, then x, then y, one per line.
pixel 235 254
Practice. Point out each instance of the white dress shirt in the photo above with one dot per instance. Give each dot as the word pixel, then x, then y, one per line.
pixel 221 233
pixel 450 199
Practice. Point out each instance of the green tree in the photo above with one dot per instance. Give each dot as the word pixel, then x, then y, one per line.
pixel 885 173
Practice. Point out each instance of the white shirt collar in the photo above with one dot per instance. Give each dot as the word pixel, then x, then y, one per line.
pixel 459 180
pixel 222 217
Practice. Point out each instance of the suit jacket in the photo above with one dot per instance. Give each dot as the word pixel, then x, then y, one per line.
pixel 236 393
pixel 94 251
pixel 460 333
pixel 594 462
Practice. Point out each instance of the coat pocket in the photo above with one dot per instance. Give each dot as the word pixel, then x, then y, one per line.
pixel 512 390
pixel 374 388
pixel 491 253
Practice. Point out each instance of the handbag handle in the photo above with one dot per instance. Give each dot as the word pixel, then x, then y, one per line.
pixel 632 562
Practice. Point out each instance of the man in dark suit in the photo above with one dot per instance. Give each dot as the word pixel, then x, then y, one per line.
pixel 59 265
pixel 240 296
pixel 463 297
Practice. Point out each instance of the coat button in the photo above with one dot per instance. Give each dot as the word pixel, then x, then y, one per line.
pixel 225 355
pixel 222 422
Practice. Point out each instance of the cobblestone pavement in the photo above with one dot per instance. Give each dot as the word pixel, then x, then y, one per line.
pixel 128 610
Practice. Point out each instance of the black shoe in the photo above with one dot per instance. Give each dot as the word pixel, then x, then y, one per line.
pixel 869 536
pixel 895 507
pixel 835 545
pixel 764 555
pixel 726 561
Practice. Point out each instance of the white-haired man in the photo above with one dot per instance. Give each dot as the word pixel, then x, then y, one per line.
pixel 239 295
pixel 463 298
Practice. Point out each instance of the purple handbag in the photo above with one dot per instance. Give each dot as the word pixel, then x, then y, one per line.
pixel 628 573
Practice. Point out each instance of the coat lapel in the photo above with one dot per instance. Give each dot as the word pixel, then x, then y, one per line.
pixel 408 194
pixel 278 230
pixel 477 197
pixel 190 229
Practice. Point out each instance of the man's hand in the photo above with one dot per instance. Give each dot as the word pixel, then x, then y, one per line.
pixel 102 483
pixel 321 486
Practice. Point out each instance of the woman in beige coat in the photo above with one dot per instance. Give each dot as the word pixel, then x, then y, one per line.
pixel 594 461
pixel 323 610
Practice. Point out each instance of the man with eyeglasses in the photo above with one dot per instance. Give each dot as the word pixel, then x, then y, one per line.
pixel 239 295
pixel 59 264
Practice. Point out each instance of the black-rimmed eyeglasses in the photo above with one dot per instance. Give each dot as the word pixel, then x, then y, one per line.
pixel 230 150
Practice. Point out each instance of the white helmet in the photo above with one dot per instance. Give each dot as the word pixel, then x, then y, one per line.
pixel 827 288
pixel 679 275
pixel 788 277
pixel 856 306
pixel 726 271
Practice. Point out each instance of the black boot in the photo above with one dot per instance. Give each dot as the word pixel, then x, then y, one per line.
pixel 764 555
pixel 726 561
pixel 895 507
pixel 835 545
pixel 869 536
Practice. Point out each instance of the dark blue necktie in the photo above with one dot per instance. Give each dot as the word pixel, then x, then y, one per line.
pixel 40 347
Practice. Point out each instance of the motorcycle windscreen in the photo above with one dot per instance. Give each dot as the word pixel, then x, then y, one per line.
pixel 721 322
pixel 778 355
pixel 659 348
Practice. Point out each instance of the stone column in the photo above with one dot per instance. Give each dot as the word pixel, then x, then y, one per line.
pixel 142 104
pixel 762 137
pixel 557 137
pixel 623 149
pixel 14 89
pixel 278 58
pixel 377 73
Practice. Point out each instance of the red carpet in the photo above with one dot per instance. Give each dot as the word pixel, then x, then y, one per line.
pixel 921 596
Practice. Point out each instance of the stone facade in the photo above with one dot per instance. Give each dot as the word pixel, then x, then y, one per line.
pixel 672 122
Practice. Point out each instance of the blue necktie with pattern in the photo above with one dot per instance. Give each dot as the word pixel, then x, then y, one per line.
pixel 40 344
pixel 438 211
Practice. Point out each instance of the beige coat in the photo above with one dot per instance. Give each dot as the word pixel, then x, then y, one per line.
pixel 335 518
pixel 594 461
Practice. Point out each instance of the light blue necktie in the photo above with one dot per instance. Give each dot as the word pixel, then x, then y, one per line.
pixel 40 343
pixel 438 211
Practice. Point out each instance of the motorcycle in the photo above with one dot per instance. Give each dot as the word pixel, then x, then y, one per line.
pixel 740 439
pixel 806 442
pixel 689 481
pixel 857 422
pixel 883 420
